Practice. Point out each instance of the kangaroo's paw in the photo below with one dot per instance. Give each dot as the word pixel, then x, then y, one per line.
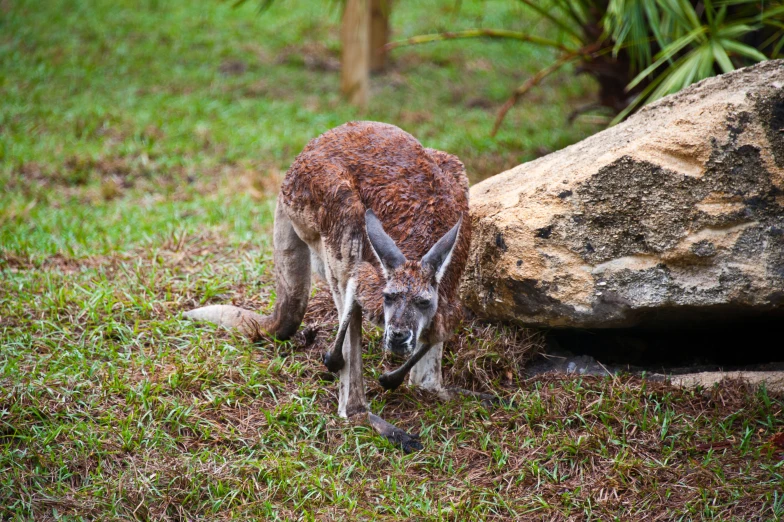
pixel 333 360
pixel 409 443
pixel 391 380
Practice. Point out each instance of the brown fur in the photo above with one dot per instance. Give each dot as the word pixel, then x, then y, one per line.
pixel 417 193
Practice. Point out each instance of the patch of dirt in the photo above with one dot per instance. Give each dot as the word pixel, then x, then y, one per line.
pixel 233 67
pixel 59 262
pixel 181 252
pixel 477 102
pixel 104 179
pixel 408 117
pixel 77 172
pixel 313 56
pixel 407 62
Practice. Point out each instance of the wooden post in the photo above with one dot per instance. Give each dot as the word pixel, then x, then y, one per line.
pixel 379 33
pixel 355 52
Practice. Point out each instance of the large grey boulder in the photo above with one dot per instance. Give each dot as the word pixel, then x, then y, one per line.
pixel 673 215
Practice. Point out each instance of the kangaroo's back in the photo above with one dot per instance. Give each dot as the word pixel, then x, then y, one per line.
pixel 417 193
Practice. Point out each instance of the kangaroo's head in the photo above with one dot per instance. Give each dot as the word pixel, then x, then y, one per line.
pixel 411 290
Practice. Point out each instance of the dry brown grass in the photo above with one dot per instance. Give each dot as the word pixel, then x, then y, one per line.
pixel 172 422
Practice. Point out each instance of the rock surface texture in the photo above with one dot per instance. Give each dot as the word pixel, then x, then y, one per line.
pixel 676 214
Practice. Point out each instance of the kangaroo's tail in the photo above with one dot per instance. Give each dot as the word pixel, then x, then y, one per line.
pixel 292 288
pixel 248 323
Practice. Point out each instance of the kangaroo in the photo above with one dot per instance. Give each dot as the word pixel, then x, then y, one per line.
pixel 380 218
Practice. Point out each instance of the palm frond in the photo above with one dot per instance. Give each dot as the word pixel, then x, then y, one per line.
pixel 545 13
pixel 668 54
pixel 744 50
pixel 480 33
pixel 721 56
pixel 626 23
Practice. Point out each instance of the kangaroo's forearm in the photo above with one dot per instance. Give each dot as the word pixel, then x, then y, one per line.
pixel 393 379
pixel 333 359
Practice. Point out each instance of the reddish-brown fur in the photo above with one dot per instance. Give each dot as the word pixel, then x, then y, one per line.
pixel 417 193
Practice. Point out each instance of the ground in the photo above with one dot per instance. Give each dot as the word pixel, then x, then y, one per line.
pixel 141 144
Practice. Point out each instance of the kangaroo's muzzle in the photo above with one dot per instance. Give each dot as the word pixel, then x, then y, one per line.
pixel 400 342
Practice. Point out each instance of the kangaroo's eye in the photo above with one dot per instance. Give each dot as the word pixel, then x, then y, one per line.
pixel 423 303
pixel 389 299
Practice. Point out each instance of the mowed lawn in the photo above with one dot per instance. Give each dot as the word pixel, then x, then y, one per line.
pixel 141 146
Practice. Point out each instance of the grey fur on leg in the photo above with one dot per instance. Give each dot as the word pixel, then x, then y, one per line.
pixel 351 385
pixel 426 373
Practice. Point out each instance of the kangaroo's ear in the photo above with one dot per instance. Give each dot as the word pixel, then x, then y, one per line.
pixel 387 252
pixel 441 254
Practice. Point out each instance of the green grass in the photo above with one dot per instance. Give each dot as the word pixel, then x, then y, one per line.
pixel 140 147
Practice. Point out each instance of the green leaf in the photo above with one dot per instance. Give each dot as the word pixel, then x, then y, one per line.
pixel 709 14
pixel 705 67
pixel 626 22
pixel 667 54
pixel 655 21
pixel 721 56
pixel 682 73
pixel 744 50
pixel 735 31
pixel 777 47
pixel 682 13
pixel 558 22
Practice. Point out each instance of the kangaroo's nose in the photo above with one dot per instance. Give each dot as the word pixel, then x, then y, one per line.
pixel 398 335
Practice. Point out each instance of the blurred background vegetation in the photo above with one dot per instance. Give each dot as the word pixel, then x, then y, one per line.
pixel 180 89
pixel 641 50
pixel 176 99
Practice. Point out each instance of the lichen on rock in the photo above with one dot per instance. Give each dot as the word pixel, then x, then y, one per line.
pixel 675 214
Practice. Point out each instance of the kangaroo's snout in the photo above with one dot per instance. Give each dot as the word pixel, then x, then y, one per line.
pixel 400 342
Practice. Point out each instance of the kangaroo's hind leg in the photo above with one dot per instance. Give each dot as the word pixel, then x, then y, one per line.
pixel 292 278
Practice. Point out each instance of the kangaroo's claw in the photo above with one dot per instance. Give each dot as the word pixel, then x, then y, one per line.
pixel 409 443
pixel 390 381
pixel 333 363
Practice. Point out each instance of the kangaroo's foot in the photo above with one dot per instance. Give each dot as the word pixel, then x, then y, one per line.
pixel 408 442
